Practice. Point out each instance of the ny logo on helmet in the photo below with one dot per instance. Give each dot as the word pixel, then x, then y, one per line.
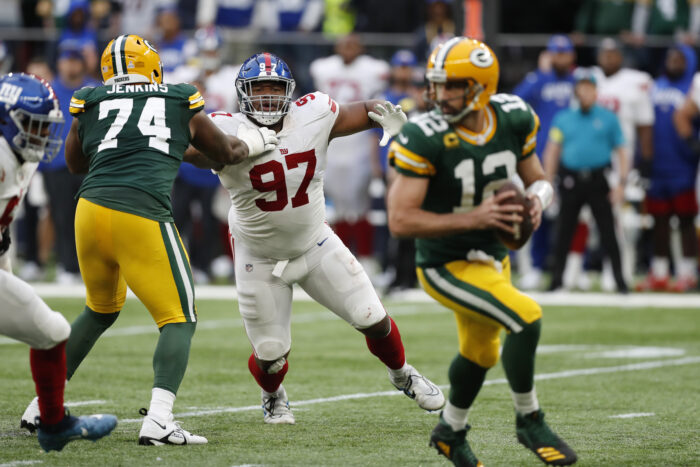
pixel 481 58
pixel 9 93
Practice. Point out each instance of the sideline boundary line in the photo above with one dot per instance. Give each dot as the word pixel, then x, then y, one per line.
pixel 586 299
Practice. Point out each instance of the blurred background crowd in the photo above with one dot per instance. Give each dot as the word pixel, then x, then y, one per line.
pixel 644 58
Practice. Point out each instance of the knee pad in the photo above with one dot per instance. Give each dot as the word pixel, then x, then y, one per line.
pixel 271 350
pixel 51 326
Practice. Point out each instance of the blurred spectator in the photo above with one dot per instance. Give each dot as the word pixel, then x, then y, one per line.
pixel 350 76
pixel 607 17
pixel 137 16
pixel 170 40
pixel 626 92
pixel 61 185
pixel 34 228
pixel 672 173
pixel 300 16
pixel 388 16
pixel 206 67
pixel 77 33
pixel 395 255
pixel 438 27
pixel 5 58
pixel 548 90
pixel 231 13
pixel 38 66
pixel 339 17
pixel 293 15
pixel 193 196
pixel 680 18
pixel 580 146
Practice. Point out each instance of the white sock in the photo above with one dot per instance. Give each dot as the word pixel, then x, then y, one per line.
pixel 659 267
pixel 454 416
pixel 162 402
pixel 525 402
pixel 687 268
pixel 400 372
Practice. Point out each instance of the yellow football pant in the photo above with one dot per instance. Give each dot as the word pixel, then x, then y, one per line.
pixel 116 249
pixel 484 302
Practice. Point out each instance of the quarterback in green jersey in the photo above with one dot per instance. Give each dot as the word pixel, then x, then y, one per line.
pixel 450 162
pixel 130 137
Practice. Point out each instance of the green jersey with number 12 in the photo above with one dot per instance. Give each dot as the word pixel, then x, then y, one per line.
pixel 134 136
pixel 464 168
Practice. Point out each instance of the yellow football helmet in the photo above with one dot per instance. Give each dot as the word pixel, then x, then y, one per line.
pixel 469 61
pixel 130 59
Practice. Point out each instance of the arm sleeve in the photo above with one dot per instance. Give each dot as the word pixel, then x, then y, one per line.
pixel 79 101
pixel 411 152
pixel 195 101
pixel 532 126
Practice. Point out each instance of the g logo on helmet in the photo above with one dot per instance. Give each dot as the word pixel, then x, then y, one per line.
pixel 481 58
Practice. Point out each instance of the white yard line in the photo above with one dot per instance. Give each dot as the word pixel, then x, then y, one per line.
pixel 633 415
pixel 81 403
pixel 14 463
pixel 587 299
pixel 364 395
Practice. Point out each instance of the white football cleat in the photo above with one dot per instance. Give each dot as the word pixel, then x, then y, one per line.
pixel 276 407
pixel 155 432
pixel 29 416
pixel 416 386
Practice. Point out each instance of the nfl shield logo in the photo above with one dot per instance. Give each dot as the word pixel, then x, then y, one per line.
pixel 248 267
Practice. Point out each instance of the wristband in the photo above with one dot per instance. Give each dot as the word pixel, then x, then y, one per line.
pixel 543 190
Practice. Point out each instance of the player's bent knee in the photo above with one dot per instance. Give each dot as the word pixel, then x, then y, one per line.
pixel 485 357
pixel 52 328
pixel 271 350
pixel 377 330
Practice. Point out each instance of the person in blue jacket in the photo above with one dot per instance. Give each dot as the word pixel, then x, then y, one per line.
pixel 671 174
pixel 548 90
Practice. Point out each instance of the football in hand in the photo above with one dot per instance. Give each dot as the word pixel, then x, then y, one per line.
pixel 522 230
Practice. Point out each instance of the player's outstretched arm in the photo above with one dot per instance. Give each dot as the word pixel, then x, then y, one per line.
pixel 213 143
pixel 407 219
pixel 360 116
pixel 76 160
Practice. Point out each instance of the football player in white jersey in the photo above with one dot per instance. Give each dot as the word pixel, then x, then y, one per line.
pixel 351 76
pixel 30 129
pixel 280 237
pixel 627 92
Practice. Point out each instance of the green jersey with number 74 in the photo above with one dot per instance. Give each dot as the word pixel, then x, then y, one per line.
pixel 464 168
pixel 135 136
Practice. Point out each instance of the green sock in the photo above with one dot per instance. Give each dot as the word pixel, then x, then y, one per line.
pixel 171 355
pixel 85 331
pixel 519 357
pixel 466 379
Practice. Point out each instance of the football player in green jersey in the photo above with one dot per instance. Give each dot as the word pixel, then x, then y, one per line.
pixel 450 162
pixel 130 136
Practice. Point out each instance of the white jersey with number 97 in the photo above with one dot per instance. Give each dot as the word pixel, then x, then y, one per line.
pixel 278 202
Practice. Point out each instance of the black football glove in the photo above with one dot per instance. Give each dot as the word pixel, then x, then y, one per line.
pixel 4 241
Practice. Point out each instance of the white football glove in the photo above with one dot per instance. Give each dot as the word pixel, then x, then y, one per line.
pixel 390 117
pixel 259 140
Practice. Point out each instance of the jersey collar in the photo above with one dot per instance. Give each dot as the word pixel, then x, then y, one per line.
pixel 485 135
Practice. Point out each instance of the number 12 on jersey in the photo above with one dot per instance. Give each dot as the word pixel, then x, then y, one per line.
pixel 262 182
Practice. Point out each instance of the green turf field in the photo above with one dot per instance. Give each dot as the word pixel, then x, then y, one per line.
pixel 620 385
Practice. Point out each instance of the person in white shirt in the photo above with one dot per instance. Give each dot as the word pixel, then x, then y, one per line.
pixel 350 76
pixel 280 237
